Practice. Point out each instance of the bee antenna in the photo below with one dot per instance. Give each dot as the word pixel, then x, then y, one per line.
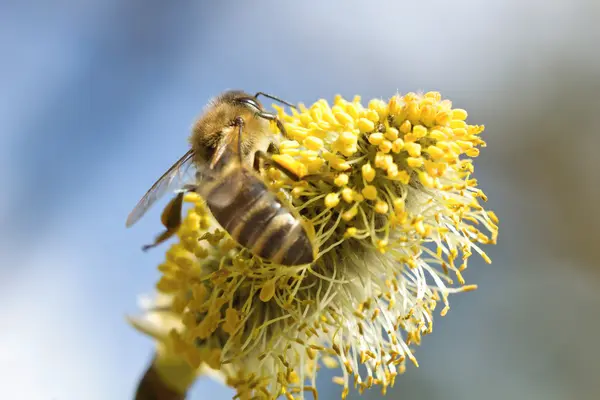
pixel 274 98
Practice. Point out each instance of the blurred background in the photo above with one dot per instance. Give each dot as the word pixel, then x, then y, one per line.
pixel 96 101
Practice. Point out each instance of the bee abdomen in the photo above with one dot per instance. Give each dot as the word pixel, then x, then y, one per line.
pixel 273 233
pixel 258 221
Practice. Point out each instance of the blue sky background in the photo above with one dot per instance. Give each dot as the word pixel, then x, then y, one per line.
pixel 96 101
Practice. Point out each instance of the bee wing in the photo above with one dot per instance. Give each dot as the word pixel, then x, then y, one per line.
pixel 219 186
pixel 173 179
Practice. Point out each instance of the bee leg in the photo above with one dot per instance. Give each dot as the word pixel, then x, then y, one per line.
pixel 239 122
pixel 260 157
pixel 170 218
pixel 272 117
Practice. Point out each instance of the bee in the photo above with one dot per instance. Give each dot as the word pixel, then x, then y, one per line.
pixel 228 147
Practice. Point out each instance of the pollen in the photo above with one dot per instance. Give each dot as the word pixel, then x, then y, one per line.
pixel 291 164
pixel 415 162
pixel 332 200
pixel 341 180
pixel 376 138
pixel 368 172
pixel 459 114
pixel 385 146
pixel 267 291
pixel 366 125
pixel 350 214
pixel 419 132
pixel 313 143
pixel 370 192
pixel 348 195
pixel 398 145
pixel 413 149
pixel 381 207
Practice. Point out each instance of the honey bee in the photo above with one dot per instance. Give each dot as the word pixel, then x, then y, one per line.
pixel 229 144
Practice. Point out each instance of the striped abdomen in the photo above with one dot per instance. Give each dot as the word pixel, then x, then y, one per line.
pixel 253 216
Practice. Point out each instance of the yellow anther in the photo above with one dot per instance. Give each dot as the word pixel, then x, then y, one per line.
pixel 427 115
pixel 312 143
pixel 289 144
pixel 350 232
pixel 385 146
pixel 437 135
pixel 380 107
pixel 442 118
pixel 268 291
pixel 297 191
pixel 316 113
pixel 474 152
pixel 352 110
pixel 341 166
pixel 395 105
pixel 376 138
pixel 405 127
pixel 348 150
pixel 469 288
pixel 459 114
pixel 381 207
pixel 314 165
pixel 414 162
pixel 332 200
pixel 366 125
pixel 464 145
pixel 435 152
pixel 348 195
pixel 486 258
pixel 330 157
pixel 435 96
pixel 343 118
pixel 427 180
pixel 456 124
pixel 192 197
pixel 341 180
pixel 349 214
pixel 459 132
pixel 382 245
pixel 419 131
pixel 330 362
pixel 232 319
pixel 347 138
pixel 399 205
pixel 380 160
pixel 392 171
pixel 397 146
pixel 370 192
pixel 388 161
pixel 414 149
pixel 291 164
pixel 413 112
pixel 290 152
pixel 372 116
pixel 403 177
pixel 391 133
pixel 338 380
pixel 368 172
